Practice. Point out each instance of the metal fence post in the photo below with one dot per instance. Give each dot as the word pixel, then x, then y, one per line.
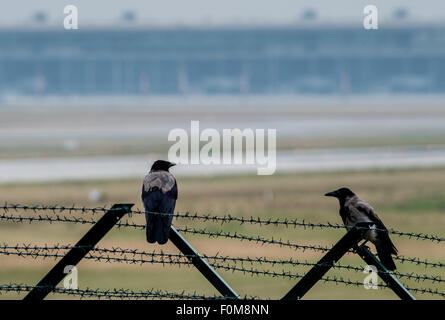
pixel 88 241
pixel 207 271
pixel 389 279
pixel 349 240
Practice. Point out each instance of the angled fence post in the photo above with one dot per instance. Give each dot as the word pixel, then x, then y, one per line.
pixel 88 241
pixel 389 279
pixel 349 240
pixel 207 271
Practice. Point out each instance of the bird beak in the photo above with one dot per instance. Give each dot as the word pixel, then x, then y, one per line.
pixel 331 194
pixel 172 164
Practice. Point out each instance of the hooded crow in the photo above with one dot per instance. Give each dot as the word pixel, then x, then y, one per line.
pixel 159 194
pixel 354 210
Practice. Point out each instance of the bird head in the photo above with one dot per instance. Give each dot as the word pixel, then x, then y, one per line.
pixel 341 194
pixel 162 165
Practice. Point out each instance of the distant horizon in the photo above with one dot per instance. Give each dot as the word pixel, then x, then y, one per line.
pixel 203 13
pixel 235 27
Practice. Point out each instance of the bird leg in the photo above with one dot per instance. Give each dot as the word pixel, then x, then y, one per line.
pixel 356 246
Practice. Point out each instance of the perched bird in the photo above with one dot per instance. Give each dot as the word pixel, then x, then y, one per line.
pixel 354 210
pixel 159 194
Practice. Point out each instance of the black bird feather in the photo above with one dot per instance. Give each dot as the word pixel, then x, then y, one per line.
pixel 159 195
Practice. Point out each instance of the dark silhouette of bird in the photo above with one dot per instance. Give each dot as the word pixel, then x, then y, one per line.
pixel 159 194
pixel 354 210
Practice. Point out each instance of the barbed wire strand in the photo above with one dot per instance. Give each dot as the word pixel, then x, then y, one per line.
pixel 112 293
pixel 126 293
pixel 281 243
pixel 220 219
pixel 219 234
pixel 139 257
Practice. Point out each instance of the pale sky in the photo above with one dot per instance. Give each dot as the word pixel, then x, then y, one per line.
pixel 210 12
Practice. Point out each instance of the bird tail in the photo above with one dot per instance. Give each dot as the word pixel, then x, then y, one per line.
pixel 156 230
pixel 385 251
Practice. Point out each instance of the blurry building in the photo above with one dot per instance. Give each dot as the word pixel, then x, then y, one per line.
pixel 322 60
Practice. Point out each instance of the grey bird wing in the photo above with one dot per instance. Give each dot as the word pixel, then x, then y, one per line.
pixel 361 211
pixel 159 194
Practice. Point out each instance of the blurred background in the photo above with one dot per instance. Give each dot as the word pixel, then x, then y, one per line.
pixel 83 113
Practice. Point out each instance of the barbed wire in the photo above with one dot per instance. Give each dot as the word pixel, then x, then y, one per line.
pixel 45 218
pixel 54 252
pixel 54 208
pixel 327 279
pixel 112 293
pixel 140 257
pixel 418 261
pixel 156 294
pixel 257 239
pixel 281 243
pixel 218 234
pixel 117 293
pixel 220 219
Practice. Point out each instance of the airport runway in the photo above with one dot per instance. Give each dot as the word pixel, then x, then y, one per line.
pixel 122 167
